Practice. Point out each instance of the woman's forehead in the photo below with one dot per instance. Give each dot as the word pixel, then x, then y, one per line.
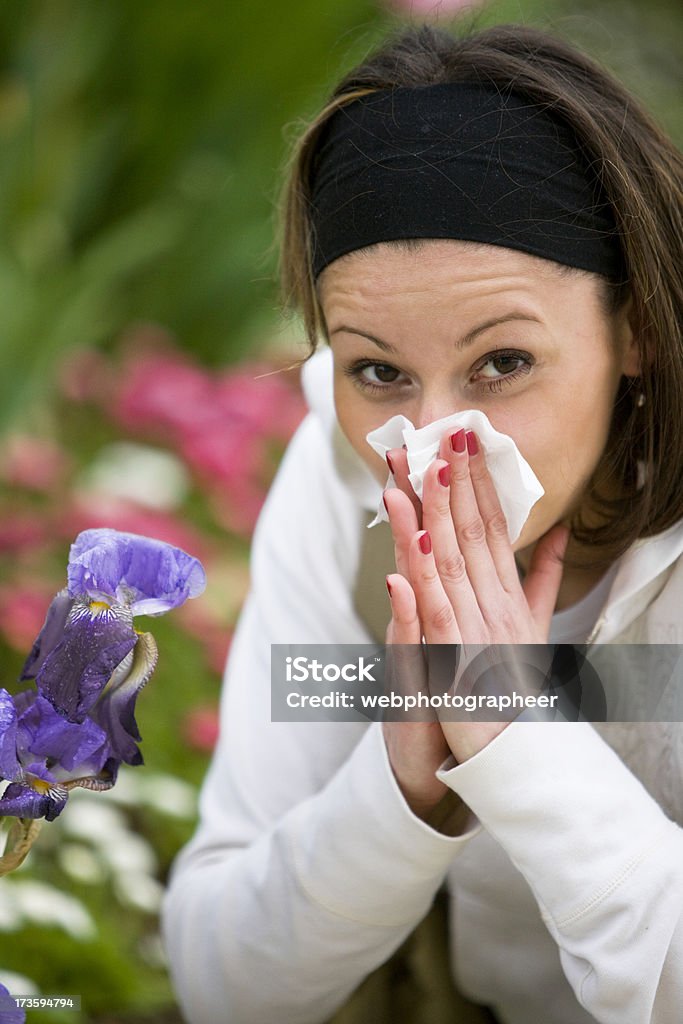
pixel 439 267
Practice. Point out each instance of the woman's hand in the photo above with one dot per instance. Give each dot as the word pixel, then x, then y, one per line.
pixel 461 570
pixel 415 749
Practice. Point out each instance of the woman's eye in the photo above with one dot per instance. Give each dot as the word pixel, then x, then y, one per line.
pixel 375 377
pixel 501 365
pixel 380 373
pixel 496 370
pixel 499 368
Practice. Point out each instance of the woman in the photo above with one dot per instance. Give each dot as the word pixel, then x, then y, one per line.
pixel 489 223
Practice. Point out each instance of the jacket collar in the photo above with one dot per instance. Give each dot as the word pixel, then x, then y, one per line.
pixel 642 573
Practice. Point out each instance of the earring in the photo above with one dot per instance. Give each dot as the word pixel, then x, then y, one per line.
pixel 640 400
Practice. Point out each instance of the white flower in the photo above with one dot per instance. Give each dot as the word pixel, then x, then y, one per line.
pixel 44 905
pixel 135 472
pixel 81 863
pixel 140 891
pixel 18 983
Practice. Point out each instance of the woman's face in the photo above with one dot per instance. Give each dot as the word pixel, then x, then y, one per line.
pixel 454 326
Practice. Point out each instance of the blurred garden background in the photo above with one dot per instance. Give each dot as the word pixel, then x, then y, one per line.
pixel 146 380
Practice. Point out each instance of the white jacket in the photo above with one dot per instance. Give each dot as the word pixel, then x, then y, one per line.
pixel 308 869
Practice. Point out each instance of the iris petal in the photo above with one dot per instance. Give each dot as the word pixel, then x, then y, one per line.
pixel 25 802
pixel 43 732
pixel 115 711
pixel 9 765
pixel 74 674
pixel 148 575
pixel 50 635
pixel 10 1013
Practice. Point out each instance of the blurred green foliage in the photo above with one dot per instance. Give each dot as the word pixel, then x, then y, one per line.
pixel 139 147
pixel 141 144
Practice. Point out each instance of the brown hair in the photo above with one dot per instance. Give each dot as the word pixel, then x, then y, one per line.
pixel 640 172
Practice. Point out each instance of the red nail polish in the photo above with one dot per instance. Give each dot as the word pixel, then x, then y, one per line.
pixel 472 443
pixel 444 476
pixel 388 585
pixel 425 543
pixel 458 442
pixel 389 463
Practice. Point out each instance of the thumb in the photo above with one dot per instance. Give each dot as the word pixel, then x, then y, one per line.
pixel 542 582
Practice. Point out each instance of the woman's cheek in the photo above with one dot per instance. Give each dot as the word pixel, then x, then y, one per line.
pixel 355 429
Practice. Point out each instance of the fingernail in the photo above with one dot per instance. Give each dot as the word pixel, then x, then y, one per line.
pixel 444 476
pixel 472 443
pixel 425 543
pixel 458 442
pixel 388 585
pixel 389 463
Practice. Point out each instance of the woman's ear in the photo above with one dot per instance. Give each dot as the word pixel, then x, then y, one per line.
pixel 627 341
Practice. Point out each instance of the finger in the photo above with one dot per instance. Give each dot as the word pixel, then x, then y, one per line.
pixel 405 624
pixel 397 461
pixel 493 517
pixel 542 582
pixel 469 528
pixel 405 663
pixel 445 446
pixel 450 563
pixel 404 616
pixel 434 608
pixel 404 524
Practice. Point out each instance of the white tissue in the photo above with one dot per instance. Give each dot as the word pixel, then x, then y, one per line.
pixel 516 484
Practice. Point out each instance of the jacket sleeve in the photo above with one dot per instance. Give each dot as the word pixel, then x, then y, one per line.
pixel 308 868
pixel 603 861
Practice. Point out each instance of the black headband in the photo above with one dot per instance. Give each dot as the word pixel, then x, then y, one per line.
pixel 459 161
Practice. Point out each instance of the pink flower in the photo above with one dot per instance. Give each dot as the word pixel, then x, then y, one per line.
pixel 22 612
pixel 162 392
pixel 227 427
pixel 35 463
pixel 223 425
pixel 268 402
pixel 200 729
pixel 224 456
pixel 22 530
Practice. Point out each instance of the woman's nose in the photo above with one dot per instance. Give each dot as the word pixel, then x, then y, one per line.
pixel 436 407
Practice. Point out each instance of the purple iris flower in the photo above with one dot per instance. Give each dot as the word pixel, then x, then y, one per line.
pixel 10 1013
pixel 89 663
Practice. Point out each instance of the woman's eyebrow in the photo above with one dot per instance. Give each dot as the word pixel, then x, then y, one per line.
pixel 384 345
pixel 471 335
pixel 462 343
